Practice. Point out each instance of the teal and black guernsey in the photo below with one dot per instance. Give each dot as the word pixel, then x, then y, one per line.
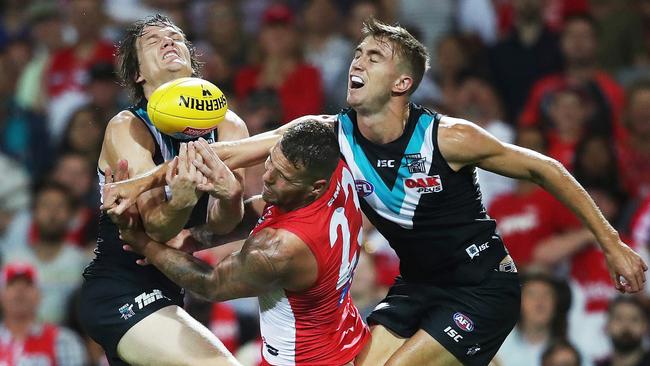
pixel 430 214
pixel 110 259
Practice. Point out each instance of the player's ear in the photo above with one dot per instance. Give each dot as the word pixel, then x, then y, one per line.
pixel 138 78
pixel 319 187
pixel 403 84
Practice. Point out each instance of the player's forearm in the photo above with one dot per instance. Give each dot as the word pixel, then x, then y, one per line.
pixel 553 177
pixel 165 221
pixel 182 268
pixel 226 213
pixel 246 152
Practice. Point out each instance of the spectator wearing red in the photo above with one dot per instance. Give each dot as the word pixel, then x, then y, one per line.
pixel 528 215
pixel 69 66
pixel 579 45
pixel 68 74
pixel 528 51
pixel 633 149
pixel 58 263
pixel 567 120
pixel 281 68
pixel 23 340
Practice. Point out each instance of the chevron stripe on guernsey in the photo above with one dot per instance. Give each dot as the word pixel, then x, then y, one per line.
pixel 397 204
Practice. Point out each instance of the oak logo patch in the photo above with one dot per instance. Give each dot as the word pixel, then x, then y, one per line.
pixel 424 184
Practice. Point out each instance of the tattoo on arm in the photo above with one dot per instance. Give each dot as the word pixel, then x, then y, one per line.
pixel 260 266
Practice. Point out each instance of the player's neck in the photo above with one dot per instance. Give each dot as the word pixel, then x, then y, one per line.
pixel 148 87
pixel 385 125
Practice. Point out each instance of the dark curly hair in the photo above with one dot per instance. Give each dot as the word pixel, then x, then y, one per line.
pixel 128 62
pixel 312 145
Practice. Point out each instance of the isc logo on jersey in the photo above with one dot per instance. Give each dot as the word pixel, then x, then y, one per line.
pixel 421 183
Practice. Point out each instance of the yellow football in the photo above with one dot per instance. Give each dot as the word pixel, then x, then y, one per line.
pixel 187 107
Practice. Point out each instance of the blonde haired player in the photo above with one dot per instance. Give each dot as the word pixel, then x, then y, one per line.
pixel 135 312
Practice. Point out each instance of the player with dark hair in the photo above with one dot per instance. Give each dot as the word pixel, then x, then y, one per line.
pixel 299 259
pixel 135 312
pixel 458 295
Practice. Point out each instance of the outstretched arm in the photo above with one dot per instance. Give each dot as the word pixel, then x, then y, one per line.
pixel 463 143
pixel 269 260
pixel 236 154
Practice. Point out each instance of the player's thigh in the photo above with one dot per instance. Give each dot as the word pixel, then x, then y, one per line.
pixel 170 336
pixel 422 349
pixel 379 348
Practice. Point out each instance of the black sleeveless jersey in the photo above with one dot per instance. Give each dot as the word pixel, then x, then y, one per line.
pixel 431 215
pixel 110 259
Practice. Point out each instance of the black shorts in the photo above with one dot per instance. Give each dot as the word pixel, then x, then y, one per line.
pixel 109 307
pixel 471 322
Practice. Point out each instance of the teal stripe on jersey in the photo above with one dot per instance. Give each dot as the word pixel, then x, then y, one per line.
pixel 392 198
pixel 164 138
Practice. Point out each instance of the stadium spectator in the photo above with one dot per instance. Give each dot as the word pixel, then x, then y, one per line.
pixel 619 27
pixel 67 76
pixel 579 45
pixel 84 134
pixel 567 121
pixel 46 25
pixel 595 162
pixel 528 52
pixel 281 68
pixel 561 353
pixel 57 263
pixel 633 150
pixel 528 214
pixel 23 339
pixel 477 101
pixel 76 173
pixel 540 323
pixel 327 50
pixel 14 200
pixel 627 323
pixel 358 12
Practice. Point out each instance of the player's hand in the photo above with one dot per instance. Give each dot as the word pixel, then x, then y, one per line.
pixel 184 242
pixel 183 178
pixel 128 217
pixel 120 195
pixel 626 268
pixel 220 182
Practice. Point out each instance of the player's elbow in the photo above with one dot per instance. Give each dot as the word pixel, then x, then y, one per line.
pixel 546 169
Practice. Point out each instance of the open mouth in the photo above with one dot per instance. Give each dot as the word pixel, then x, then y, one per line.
pixel 170 54
pixel 356 82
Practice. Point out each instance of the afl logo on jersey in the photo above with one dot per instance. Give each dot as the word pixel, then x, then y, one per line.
pixel 463 322
pixel 364 188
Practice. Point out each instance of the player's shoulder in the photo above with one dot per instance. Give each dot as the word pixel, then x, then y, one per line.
pixel 455 129
pixel 278 243
pixel 232 127
pixel 124 127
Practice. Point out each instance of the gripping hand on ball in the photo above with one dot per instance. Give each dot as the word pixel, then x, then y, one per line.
pixel 220 182
pixel 183 178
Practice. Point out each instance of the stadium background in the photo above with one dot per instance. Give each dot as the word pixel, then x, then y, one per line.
pixel 569 78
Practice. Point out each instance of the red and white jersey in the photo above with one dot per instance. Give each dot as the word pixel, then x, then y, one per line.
pixel 320 325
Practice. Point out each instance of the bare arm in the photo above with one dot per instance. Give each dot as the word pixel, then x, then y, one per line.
pixel 225 211
pixel 126 138
pixel 465 144
pixel 271 259
pixel 235 154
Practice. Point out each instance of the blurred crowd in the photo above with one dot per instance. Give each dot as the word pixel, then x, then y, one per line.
pixel 567 78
